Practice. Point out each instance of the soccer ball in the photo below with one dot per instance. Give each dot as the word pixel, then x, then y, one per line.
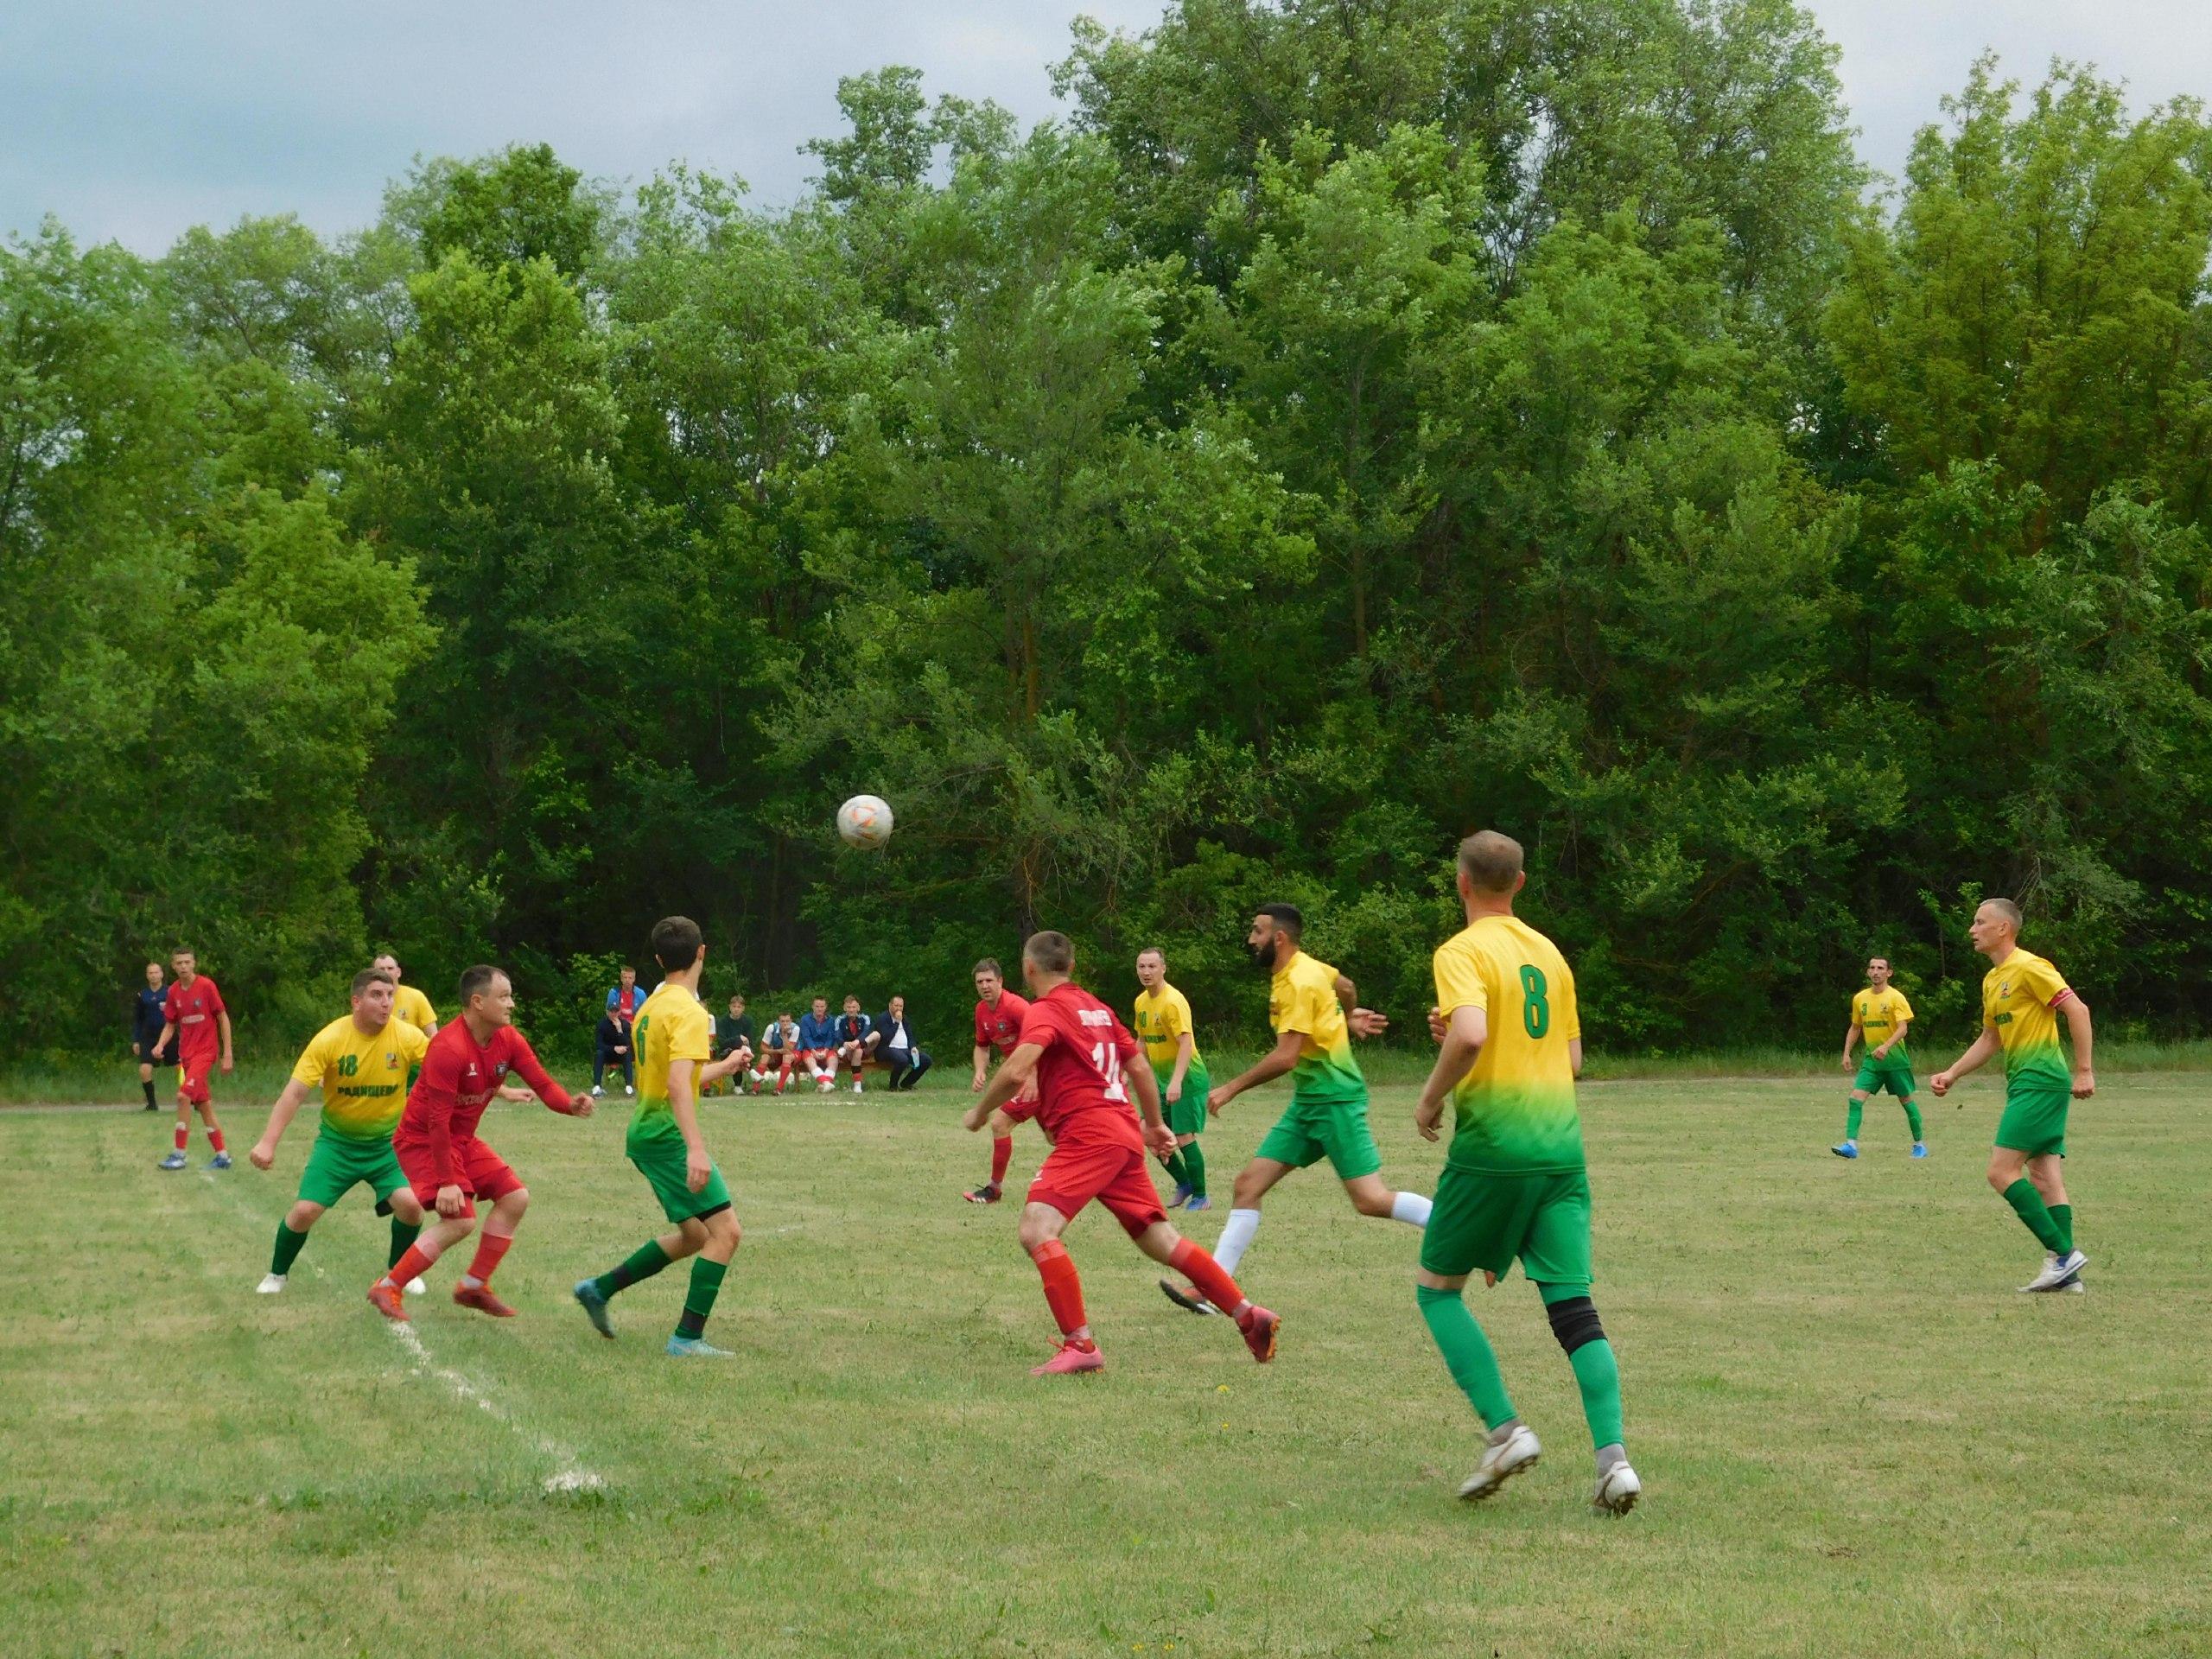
pixel 865 821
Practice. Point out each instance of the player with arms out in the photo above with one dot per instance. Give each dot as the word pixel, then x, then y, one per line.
pixel 1314 1011
pixel 2022 996
pixel 194 1019
pixel 407 1002
pixel 363 1063
pixel 1081 1060
pixel 1514 1186
pixel 675 1034
pixel 1163 1026
pixel 1879 1014
pixel 999 1015
pixel 446 1162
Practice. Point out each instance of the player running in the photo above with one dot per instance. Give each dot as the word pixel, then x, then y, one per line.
pixel 1079 1057
pixel 1163 1026
pixel 2022 995
pixel 999 1015
pixel 362 1065
pixel 446 1162
pixel 407 1003
pixel 1314 1011
pixel 1880 1014
pixel 195 1020
pixel 1509 1047
pixel 675 1035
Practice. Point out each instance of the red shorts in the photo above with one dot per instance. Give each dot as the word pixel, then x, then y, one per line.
pixel 192 1077
pixel 481 1172
pixel 1112 1172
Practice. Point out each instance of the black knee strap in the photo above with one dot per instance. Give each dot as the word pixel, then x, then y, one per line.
pixel 1574 1322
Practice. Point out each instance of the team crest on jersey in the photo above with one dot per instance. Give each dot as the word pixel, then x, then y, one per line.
pixel 500 1071
pixel 390 1061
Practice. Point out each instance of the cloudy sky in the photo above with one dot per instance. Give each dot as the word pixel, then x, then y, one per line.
pixel 135 118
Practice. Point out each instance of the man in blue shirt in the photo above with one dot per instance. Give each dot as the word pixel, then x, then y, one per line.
pixel 853 1027
pixel 817 1045
pixel 147 1019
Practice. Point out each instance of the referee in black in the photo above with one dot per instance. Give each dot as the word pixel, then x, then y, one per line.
pixel 148 1015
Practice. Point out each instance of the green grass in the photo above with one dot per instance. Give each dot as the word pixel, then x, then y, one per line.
pixel 1855 1437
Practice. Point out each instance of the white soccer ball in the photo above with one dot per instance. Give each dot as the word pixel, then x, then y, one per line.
pixel 865 821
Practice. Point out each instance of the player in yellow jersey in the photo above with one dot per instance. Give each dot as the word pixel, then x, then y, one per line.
pixel 407 1002
pixel 1163 1026
pixel 363 1063
pixel 1879 1014
pixel 2022 996
pixel 675 1036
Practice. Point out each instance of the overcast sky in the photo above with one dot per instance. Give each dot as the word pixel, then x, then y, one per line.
pixel 135 118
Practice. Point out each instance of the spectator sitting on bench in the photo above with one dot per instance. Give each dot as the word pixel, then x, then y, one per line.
pixel 853 1027
pixel 892 1045
pixel 778 1052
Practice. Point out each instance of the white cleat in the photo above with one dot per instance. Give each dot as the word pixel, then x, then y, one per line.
pixel 271 1285
pixel 416 1287
pixel 1618 1491
pixel 2058 1272
pixel 1501 1460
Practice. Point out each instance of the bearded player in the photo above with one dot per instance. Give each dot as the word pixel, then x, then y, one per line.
pixel 1081 1059
pixel 999 1015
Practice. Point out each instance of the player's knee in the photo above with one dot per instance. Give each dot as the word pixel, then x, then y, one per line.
pixel 303 1215
pixel 1574 1322
pixel 1250 1190
pixel 2002 1175
pixel 1370 1200
pixel 722 1227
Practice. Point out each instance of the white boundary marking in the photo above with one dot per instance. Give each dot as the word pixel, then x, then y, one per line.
pixel 570 1474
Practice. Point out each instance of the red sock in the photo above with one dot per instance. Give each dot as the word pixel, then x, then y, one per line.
pixel 413 1265
pixel 215 1139
pixel 490 1247
pixel 1202 1270
pixel 1063 1289
pixel 183 1135
pixel 1001 1155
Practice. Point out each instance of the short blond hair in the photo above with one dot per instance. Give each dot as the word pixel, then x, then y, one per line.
pixel 1490 861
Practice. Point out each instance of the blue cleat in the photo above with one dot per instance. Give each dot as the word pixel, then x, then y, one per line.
pixel 1182 1195
pixel 1848 1149
pixel 1919 1149
pixel 175 1160
pixel 594 1307
pixel 1202 1201
pixel 695 1348
pixel 220 1160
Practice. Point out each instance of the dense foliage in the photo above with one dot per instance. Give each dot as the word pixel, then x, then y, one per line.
pixel 1354 424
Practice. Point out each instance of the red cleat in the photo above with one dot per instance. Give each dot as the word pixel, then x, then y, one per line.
pixel 1259 1327
pixel 1071 1359
pixel 988 1193
pixel 385 1298
pixel 480 1298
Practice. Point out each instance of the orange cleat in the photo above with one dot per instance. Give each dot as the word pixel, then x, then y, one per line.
pixel 1259 1327
pixel 480 1298
pixel 384 1296
pixel 1071 1359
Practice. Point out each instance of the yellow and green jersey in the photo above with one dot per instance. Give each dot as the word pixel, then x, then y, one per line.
pixel 1163 1019
pixel 1515 1109
pixel 2021 997
pixel 363 1076
pixel 1881 1015
pixel 411 1005
pixel 674 1025
pixel 1303 998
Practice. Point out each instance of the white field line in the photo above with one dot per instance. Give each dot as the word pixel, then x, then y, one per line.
pixel 570 1474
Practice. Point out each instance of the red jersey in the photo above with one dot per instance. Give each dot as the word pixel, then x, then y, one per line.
pixel 1079 1088
pixel 457 1082
pixel 999 1026
pixel 192 1013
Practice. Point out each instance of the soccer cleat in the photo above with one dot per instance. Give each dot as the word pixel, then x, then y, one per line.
pixel 1501 1460
pixel 1186 1297
pixel 988 1193
pixel 628 1093
pixel 859 1088
pixel 1201 1202
pixel 220 1160
pixel 594 1307
pixel 2058 1272
pixel 384 1296
pixel 1920 1149
pixel 1848 1149
pixel 597 1093
pixel 1071 1359
pixel 1618 1491
pixel 271 1285
pixel 1181 1196
pixel 416 1287
pixel 696 1348
pixel 175 1160
pixel 1260 1328
pixel 480 1298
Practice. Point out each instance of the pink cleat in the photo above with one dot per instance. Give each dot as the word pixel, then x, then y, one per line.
pixel 1071 1359
pixel 1259 1327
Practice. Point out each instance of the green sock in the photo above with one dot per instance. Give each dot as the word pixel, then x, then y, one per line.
pixel 1912 1116
pixel 1851 1120
pixel 1466 1352
pixel 1174 1165
pixel 403 1234
pixel 288 1244
pixel 2027 1204
pixel 2062 1215
pixel 642 1263
pixel 1597 1373
pixel 1195 1162
pixel 699 1301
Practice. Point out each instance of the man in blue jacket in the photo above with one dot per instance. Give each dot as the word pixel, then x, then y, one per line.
pixel 852 1028
pixel 817 1045
pixel 147 1019
pixel 893 1042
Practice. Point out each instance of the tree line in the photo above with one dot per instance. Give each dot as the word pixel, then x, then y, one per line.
pixel 1350 425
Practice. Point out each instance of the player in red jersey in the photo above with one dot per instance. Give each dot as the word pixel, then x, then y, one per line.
pixel 194 1019
pixel 999 1015
pixel 1081 1059
pixel 440 1155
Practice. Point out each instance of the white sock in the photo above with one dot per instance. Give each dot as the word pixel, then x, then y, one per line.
pixel 1235 1238
pixel 1410 1208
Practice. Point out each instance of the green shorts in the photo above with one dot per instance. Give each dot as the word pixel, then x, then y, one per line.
pixel 1188 1115
pixel 662 1161
pixel 1874 1076
pixel 1331 1126
pixel 337 1162
pixel 2035 1120
pixel 1484 1223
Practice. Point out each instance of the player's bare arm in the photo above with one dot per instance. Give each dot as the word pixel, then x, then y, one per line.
pixel 295 1095
pixel 2077 1026
pixel 1362 1022
pixel 1973 1060
pixel 1016 1071
pixel 697 1165
pixel 1157 1134
pixel 1896 1036
pixel 1852 1033
pixel 1187 1049
pixel 1464 1033
pixel 983 1061
pixel 223 1027
pixel 1275 1063
pixel 162 1042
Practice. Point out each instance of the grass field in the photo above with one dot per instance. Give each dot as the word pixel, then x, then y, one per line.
pixel 1855 1437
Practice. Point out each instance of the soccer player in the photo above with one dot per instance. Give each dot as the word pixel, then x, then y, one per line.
pixel 817 1045
pixel 1514 1186
pixel 778 1052
pixel 852 1030
pixel 407 1003
pixel 362 1065
pixel 999 1015
pixel 446 1162
pixel 1315 1012
pixel 1080 1059
pixel 148 1015
pixel 1163 1026
pixel 194 1019
pixel 2022 996
pixel 1879 1014
pixel 675 1034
